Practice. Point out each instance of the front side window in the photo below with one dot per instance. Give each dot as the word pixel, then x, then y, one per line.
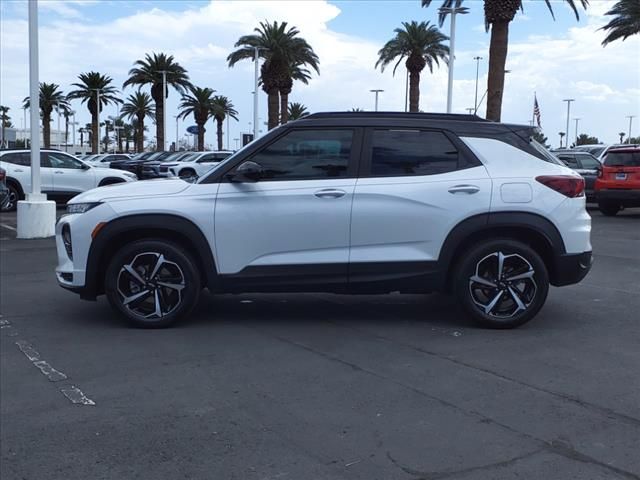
pixel 59 160
pixel 411 152
pixel 307 155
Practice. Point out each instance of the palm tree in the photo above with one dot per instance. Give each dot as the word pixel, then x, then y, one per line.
pixel 221 107
pixel 5 119
pixel 562 134
pixel 50 97
pixel 199 103
pixel 621 135
pixel 150 72
pixel 296 72
pixel 92 83
pixel 422 46
pixel 356 109
pixel 283 52
pixel 137 106
pixel 498 14
pixel 297 111
pixel 625 23
pixel 127 134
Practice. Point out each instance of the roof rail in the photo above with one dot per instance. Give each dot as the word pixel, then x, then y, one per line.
pixel 425 116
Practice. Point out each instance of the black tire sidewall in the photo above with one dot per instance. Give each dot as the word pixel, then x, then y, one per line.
pixel 607 208
pixel 13 190
pixel 467 266
pixel 173 253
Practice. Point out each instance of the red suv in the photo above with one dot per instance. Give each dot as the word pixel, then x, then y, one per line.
pixel 618 182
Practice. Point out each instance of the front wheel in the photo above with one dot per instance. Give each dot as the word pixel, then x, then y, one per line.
pixel 153 283
pixel 13 196
pixel 501 283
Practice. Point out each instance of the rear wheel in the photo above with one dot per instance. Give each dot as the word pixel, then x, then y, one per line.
pixel 153 283
pixel 502 283
pixel 608 208
pixel 12 201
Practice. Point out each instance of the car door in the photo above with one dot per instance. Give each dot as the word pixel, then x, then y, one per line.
pixel 292 225
pixel 20 169
pixel 70 175
pixel 414 186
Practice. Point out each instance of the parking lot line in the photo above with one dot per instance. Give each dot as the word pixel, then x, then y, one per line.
pixel 8 227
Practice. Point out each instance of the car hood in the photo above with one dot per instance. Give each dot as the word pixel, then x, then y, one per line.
pixel 145 188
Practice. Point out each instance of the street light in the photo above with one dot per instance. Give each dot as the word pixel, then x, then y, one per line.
pixel 177 117
pixel 453 11
pixel 630 117
pixel 256 78
pixel 475 102
pixel 568 100
pixel 376 91
pixel 577 120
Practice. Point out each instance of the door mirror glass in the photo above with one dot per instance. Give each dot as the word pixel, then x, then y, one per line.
pixel 247 172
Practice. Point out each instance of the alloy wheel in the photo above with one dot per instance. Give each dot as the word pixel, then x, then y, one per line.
pixel 11 201
pixel 503 285
pixel 150 286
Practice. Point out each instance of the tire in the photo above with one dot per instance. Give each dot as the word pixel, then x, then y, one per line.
pixel 188 175
pixel 110 181
pixel 608 209
pixel 129 274
pixel 501 303
pixel 14 196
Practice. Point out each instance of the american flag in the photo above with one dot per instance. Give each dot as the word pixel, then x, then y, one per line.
pixel 536 110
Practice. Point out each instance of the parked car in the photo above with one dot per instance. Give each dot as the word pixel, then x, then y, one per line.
pixel 135 165
pixel 104 159
pixel 585 164
pixel 196 165
pixel 62 175
pixel 594 149
pixel 348 202
pixel 618 182
pixel 151 168
pixel 5 195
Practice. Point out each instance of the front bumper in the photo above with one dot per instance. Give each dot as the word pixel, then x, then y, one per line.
pixel 571 268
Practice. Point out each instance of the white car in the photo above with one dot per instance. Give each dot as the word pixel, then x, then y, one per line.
pixel 104 159
pixel 195 165
pixel 62 176
pixel 352 202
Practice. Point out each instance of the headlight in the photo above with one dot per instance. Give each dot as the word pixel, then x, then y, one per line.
pixel 81 207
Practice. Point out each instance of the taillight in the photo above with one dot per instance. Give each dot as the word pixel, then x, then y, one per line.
pixel 571 187
pixel 600 172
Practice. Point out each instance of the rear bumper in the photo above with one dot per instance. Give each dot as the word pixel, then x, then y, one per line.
pixel 571 268
pixel 632 196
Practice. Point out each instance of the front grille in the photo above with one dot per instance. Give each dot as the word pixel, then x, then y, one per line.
pixel 66 240
pixel 164 169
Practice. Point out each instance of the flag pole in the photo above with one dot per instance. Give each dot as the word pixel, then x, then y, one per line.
pixel 533 115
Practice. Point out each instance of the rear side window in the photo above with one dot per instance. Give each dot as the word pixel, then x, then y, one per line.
pixel 569 161
pixel 622 159
pixel 589 162
pixel 411 152
pixel 21 158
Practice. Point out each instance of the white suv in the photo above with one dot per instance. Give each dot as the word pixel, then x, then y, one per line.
pixel 62 176
pixel 343 203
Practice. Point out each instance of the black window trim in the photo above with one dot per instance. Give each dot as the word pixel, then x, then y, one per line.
pixel 466 158
pixel 352 169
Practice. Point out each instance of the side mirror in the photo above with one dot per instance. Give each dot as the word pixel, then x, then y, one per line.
pixel 247 172
pixel 85 166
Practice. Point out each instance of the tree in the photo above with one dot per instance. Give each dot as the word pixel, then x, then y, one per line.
pixel 221 108
pixel 584 139
pixel 297 111
pixel 634 140
pixel 127 134
pixel 138 106
pixel 421 45
pixel 50 97
pixel 562 134
pixel 626 21
pixel 498 14
pixel 621 135
pixel 149 72
pixel 356 109
pixel 199 103
pixel 541 139
pixel 282 51
pixel 297 72
pixel 92 83
pixel 5 119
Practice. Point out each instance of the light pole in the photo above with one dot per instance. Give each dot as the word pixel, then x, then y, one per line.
pixel 73 130
pixel 577 120
pixel 236 140
pixel 256 79
pixel 177 117
pixel 376 91
pixel 475 102
pixel 24 133
pixel 452 11
pixel 568 100
pixel 406 92
pixel 630 117
pixel 471 110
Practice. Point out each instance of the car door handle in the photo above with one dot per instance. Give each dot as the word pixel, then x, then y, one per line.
pixel 469 189
pixel 330 193
pixel 58 171
pixel 18 170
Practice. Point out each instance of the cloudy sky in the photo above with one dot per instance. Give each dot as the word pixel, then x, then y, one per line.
pixel 557 59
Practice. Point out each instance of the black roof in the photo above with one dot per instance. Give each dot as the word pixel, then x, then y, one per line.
pixel 461 124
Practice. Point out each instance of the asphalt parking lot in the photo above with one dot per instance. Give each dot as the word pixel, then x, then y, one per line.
pixel 322 386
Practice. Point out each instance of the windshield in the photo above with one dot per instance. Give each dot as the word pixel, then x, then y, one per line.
pixel 622 159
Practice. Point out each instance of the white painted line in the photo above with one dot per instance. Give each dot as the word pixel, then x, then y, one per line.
pixel 74 394
pixel 28 350
pixel 48 371
pixel 9 227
